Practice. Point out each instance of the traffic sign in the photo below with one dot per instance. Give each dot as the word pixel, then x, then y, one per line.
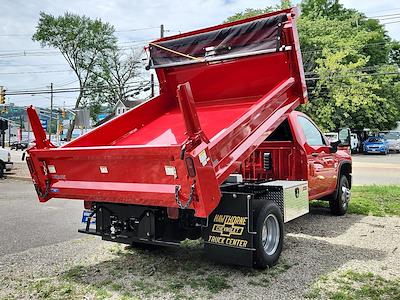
pixel 44 124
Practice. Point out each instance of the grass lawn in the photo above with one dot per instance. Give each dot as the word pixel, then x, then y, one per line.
pixel 376 200
pixel 351 285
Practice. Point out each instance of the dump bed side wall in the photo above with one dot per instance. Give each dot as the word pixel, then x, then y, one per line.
pixel 117 128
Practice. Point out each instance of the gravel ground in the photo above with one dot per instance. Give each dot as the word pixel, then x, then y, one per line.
pixel 315 245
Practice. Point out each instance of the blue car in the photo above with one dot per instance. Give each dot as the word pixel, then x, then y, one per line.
pixel 376 144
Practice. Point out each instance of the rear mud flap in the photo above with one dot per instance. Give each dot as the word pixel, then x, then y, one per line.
pixel 229 234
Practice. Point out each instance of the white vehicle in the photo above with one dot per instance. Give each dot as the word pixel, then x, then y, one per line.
pixel 354 142
pixel 5 161
pixel 393 138
pixel 332 136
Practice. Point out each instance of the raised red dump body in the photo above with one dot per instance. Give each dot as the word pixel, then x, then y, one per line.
pixel 223 90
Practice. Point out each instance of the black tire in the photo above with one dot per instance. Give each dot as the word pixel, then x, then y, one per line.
pixel 340 203
pixel 268 246
pixel 2 167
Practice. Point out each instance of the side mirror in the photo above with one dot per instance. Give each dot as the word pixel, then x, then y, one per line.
pixel 333 147
pixel 344 137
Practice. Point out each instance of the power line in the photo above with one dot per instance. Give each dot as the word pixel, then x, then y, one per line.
pixel 34 72
pixel 341 48
pixel 384 10
pixel 356 75
pixel 67 83
pixel 138 29
pixel 120 30
pixel 51 52
pixel 383 16
pixel 391 22
pixel 368 68
pixel 72 89
pixel 31 65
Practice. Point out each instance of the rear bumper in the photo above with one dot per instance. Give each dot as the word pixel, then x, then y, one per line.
pixel 372 151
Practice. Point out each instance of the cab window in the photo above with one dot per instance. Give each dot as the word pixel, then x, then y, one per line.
pixel 312 133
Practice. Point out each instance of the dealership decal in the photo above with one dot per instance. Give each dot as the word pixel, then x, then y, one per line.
pixel 228 230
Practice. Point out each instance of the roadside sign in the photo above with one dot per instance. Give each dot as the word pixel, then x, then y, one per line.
pixel 44 124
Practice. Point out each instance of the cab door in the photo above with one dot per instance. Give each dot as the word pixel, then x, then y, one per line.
pixel 321 162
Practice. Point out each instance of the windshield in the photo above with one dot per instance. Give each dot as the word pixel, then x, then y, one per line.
pixel 392 136
pixel 375 140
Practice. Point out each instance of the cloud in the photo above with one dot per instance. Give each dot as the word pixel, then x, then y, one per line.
pixel 20 18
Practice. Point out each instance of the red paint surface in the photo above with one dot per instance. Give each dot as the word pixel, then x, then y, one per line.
pixel 231 108
pixel 293 160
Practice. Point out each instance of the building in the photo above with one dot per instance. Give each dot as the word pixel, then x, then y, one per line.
pixel 123 106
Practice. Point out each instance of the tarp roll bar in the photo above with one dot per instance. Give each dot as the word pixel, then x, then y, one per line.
pixel 258 36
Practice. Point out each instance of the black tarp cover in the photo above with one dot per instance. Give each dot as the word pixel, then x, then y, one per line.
pixel 258 36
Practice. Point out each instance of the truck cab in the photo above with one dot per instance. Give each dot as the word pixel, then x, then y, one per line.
pixel 298 150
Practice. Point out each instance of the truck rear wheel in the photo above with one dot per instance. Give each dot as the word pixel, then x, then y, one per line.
pixel 269 239
pixel 340 203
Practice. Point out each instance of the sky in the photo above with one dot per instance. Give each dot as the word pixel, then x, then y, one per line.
pixel 24 65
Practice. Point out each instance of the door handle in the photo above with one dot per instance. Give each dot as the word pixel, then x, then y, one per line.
pixel 315 154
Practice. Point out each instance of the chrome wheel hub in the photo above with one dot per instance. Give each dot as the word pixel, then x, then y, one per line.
pixel 346 193
pixel 270 234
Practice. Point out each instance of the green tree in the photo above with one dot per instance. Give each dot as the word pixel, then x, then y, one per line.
pixel 83 42
pixel 251 12
pixel 350 74
pixel 315 9
pixel 116 78
pixel 350 64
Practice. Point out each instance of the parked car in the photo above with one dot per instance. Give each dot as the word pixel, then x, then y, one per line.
pixel 354 143
pixel 376 144
pixel 393 139
pixel 19 145
pixel 333 137
pixel 5 161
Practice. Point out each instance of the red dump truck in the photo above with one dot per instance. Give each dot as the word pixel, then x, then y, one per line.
pixel 219 154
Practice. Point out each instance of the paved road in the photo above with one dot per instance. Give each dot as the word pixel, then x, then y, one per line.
pixel 25 223
pixel 376 169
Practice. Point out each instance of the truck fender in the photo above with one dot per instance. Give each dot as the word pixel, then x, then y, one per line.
pixel 345 168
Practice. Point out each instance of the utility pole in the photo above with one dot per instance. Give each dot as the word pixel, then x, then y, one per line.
pixel 58 127
pixel 162 30
pixel 51 109
pixel 152 84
